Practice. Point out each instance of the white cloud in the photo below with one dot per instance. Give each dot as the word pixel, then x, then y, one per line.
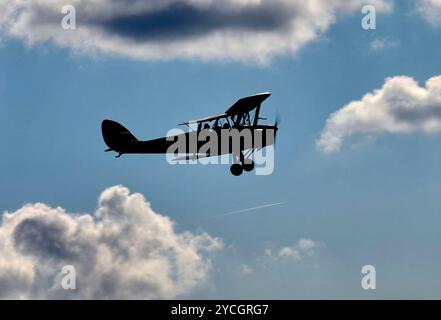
pixel 239 30
pixel 401 106
pixel 303 248
pixel 306 245
pixel 379 44
pixel 246 269
pixel 430 10
pixel 125 250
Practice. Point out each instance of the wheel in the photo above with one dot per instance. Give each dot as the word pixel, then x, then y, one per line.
pixel 236 169
pixel 248 166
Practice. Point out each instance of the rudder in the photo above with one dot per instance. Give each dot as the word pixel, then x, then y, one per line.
pixel 116 136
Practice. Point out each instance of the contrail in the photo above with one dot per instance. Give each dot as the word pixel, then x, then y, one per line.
pixel 248 209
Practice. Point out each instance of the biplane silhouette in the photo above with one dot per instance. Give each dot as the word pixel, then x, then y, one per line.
pixel 242 117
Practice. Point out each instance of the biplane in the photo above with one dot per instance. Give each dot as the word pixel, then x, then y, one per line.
pixel 240 117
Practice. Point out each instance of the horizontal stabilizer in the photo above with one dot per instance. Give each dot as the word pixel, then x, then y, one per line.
pixel 191 157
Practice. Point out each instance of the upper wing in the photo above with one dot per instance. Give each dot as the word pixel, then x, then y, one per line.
pixel 241 106
pixel 211 118
pixel 247 104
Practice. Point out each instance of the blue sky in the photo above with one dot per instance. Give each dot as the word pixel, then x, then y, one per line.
pixel 372 202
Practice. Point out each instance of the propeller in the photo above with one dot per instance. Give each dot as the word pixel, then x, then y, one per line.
pixel 276 125
pixel 278 121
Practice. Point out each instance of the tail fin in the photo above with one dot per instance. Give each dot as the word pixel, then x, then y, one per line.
pixel 116 137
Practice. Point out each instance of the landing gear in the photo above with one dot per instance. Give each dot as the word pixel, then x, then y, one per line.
pixel 241 165
pixel 236 169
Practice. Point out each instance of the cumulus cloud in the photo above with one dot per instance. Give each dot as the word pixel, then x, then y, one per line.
pixel 401 106
pixel 246 269
pixel 124 250
pixel 239 30
pixel 430 10
pixel 303 248
pixel 380 44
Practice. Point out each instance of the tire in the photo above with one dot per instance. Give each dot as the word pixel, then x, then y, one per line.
pixel 248 166
pixel 236 169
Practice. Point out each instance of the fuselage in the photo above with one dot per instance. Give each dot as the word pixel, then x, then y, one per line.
pixel 211 142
